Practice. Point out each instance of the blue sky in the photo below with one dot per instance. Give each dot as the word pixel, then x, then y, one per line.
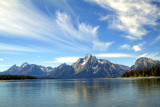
pixel 51 32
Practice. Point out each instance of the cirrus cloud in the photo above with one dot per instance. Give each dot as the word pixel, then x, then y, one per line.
pixel 131 16
pixel 60 31
pixel 154 56
pixel 125 46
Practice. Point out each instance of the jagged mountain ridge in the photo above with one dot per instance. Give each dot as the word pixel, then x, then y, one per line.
pixel 28 69
pixel 13 69
pixel 87 67
pixel 62 71
pixel 92 67
pixel 144 62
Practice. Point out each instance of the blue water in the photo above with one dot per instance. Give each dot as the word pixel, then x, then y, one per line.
pixel 80 93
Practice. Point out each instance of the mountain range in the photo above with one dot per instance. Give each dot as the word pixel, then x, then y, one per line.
pixel 87 67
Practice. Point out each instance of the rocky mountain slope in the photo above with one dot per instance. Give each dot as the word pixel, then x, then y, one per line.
pixel 144 62
pixel 29 69
pixel 91 67
pixel 87 67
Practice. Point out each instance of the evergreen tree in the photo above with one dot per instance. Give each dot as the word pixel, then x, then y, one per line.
pixel 153 71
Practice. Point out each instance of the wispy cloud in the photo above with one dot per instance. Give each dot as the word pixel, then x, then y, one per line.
pixel 85 33
pixel 125 46
pixel 7 48
pixel 156 40
pixel 114 55
pixel 130 37
pixel 154 56
pixel 131 16
pixel 11 47
pixel 59 30
pixel 101 46
pixel 64 60
pixel 28 22
pixel 107 17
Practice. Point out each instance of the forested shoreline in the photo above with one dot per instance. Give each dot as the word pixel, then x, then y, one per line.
pixel 16 77
pixel 146 72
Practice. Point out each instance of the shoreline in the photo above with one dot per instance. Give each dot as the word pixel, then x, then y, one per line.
pixel 18 80
pixel 141 77
pixel 94 78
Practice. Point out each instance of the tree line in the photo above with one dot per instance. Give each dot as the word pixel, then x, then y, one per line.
pixel 145 72
pixel 16 77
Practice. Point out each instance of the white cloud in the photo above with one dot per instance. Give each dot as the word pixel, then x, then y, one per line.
pixel 131 15
pixel 60 30
pixel 88 29
pixel 64 60
pixel 1 59
pixel 114 55
pixel 125 46
pixel 21 19
pixel 24 21
pixel 136 48
pixel 84 34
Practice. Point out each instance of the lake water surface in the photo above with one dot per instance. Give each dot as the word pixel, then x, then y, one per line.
pixel 80 93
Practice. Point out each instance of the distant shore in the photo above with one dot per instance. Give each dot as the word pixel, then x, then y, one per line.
pixel 141 77
pixel 16 77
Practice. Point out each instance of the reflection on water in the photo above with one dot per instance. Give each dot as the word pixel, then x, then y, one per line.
pixel 147 92
pixel 80 93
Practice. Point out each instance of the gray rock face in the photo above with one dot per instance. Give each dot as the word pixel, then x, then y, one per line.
pixel 28 69
pixel 144 62
pixel 12 70
pixel 62 71
pixel 91 67
pixel 87 67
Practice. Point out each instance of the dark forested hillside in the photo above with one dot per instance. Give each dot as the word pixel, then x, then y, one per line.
pixel 145 72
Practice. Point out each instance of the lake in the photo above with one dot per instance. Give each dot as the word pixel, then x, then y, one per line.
pixel 80 93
